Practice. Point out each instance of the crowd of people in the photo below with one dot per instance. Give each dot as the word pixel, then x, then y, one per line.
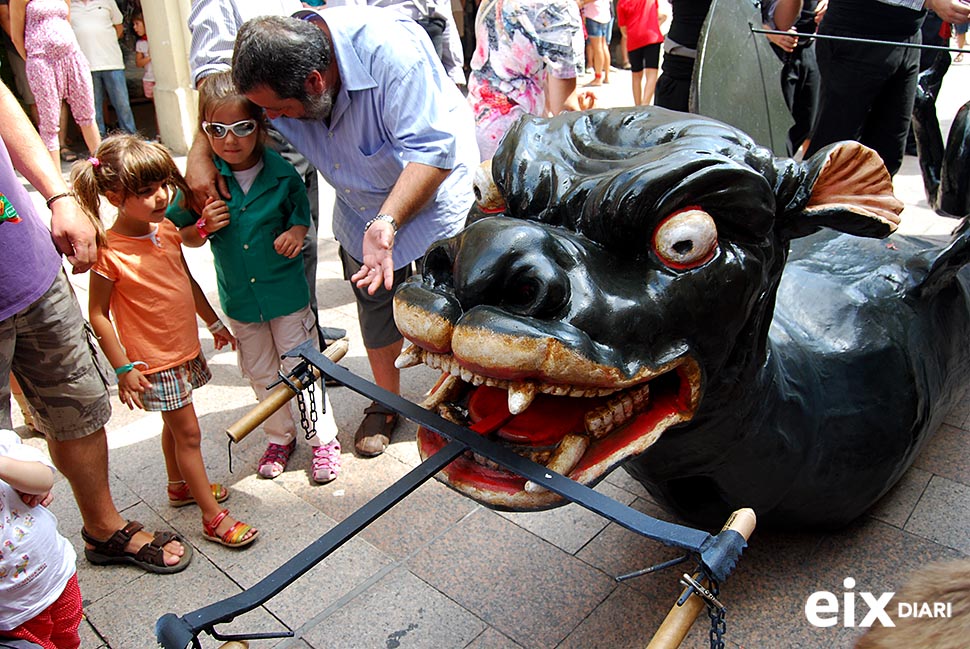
pixel 364 96
pixel 65 53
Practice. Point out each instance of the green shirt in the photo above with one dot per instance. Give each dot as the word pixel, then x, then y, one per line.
pixel 256 283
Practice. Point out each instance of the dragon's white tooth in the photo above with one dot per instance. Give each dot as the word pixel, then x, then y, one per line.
pixel 409 357
pixel 466 375
pixel 477 379
pixel 627 403
pixel 564 459
pixel 520 396
pixel 568 454
pixel 446 390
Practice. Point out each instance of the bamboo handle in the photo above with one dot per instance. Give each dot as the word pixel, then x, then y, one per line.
pixel 279 397
pixel 675 626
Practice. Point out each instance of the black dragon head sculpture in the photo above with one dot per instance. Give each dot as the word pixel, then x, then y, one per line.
pixel 612 297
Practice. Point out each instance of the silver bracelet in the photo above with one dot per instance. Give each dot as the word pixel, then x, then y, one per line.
pixel 387 218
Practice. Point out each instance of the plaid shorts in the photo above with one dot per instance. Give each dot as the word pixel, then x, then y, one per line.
pixel 171 389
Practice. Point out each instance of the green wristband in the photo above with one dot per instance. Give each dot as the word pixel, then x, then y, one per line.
pixel 127 367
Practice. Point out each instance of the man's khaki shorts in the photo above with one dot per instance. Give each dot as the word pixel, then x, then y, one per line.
pixel 54 354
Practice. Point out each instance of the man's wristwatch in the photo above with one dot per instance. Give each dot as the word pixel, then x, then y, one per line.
pixel 387 218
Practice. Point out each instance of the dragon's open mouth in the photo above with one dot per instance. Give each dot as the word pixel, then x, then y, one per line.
pixel 579 431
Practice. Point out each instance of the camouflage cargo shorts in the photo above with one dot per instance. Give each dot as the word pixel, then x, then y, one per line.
pixel 53 352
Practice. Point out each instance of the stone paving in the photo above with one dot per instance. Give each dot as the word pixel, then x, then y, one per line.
pixel 441 571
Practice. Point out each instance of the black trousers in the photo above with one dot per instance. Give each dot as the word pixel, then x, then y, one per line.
pixel 867 94
pixel 673 86
pixel 800 87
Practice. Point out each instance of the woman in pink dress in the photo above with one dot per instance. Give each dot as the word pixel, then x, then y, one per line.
pixel 527 56
pixel 56 69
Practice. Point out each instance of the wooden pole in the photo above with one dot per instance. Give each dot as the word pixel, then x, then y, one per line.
pixel 280 396
pixel 675 626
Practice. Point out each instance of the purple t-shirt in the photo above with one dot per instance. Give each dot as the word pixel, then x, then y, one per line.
pixel 29 262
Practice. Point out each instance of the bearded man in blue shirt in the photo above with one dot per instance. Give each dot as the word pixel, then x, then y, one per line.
pixel 362 94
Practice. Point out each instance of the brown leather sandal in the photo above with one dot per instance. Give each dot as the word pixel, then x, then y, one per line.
pixel 374 433
pixel 150 557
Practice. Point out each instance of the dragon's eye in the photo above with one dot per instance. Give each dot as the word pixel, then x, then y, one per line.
pixel 686 239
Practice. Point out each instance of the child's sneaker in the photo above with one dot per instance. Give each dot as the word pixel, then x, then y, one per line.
pixel 275 458
pixel 326 462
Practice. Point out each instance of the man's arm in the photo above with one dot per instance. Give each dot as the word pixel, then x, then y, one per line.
pixel 73 232
pixel 213 25
pixel 951 11
pixel 414 187
pixel 786 13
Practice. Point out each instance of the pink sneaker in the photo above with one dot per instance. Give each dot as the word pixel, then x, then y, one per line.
pixel 326 462
pixel 274 459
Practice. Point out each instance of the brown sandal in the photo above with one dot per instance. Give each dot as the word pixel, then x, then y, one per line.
pixel 374 433
pixel 150 557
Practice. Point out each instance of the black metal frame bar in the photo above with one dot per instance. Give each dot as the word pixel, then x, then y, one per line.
pixel 716 555
pixel 851 39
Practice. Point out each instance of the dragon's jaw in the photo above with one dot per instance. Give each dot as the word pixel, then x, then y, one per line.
pixel 580 431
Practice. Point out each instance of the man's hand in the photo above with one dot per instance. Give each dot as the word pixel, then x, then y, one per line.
pixel 216 214
pixel 378 265
pixel 73 234
pixel 820 9
pixel 786 42
pixel 951 11
pixel 201 175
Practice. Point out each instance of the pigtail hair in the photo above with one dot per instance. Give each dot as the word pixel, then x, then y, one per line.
pixel 85 187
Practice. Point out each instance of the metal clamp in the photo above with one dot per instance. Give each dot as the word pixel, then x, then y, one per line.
pixel 695 586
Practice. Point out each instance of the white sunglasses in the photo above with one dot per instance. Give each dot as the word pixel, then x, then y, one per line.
pixel 241 128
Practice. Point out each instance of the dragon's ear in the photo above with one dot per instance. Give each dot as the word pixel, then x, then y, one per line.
pixel 849 190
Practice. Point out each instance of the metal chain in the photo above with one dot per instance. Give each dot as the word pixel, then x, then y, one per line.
pixel 309 424
pixel 718 625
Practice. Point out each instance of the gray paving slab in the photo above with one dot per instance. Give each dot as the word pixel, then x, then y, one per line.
pixel 398 611
pixel 897 506
pixel 570 527
pixel 947 454
pixel 942 514
pixel 492 639
pixel 525 587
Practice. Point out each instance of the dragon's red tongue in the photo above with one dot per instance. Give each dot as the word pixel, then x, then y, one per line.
pixel 545 423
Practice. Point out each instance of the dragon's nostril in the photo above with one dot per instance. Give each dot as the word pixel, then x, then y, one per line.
pixel 437 267
pixel 536 290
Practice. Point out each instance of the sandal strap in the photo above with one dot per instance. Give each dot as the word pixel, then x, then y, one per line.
pixel 162 538
pixel 378 409
pixel 118 541
pixel 277 453
pixel 236 533
pixel 151 553
pixel 210 527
